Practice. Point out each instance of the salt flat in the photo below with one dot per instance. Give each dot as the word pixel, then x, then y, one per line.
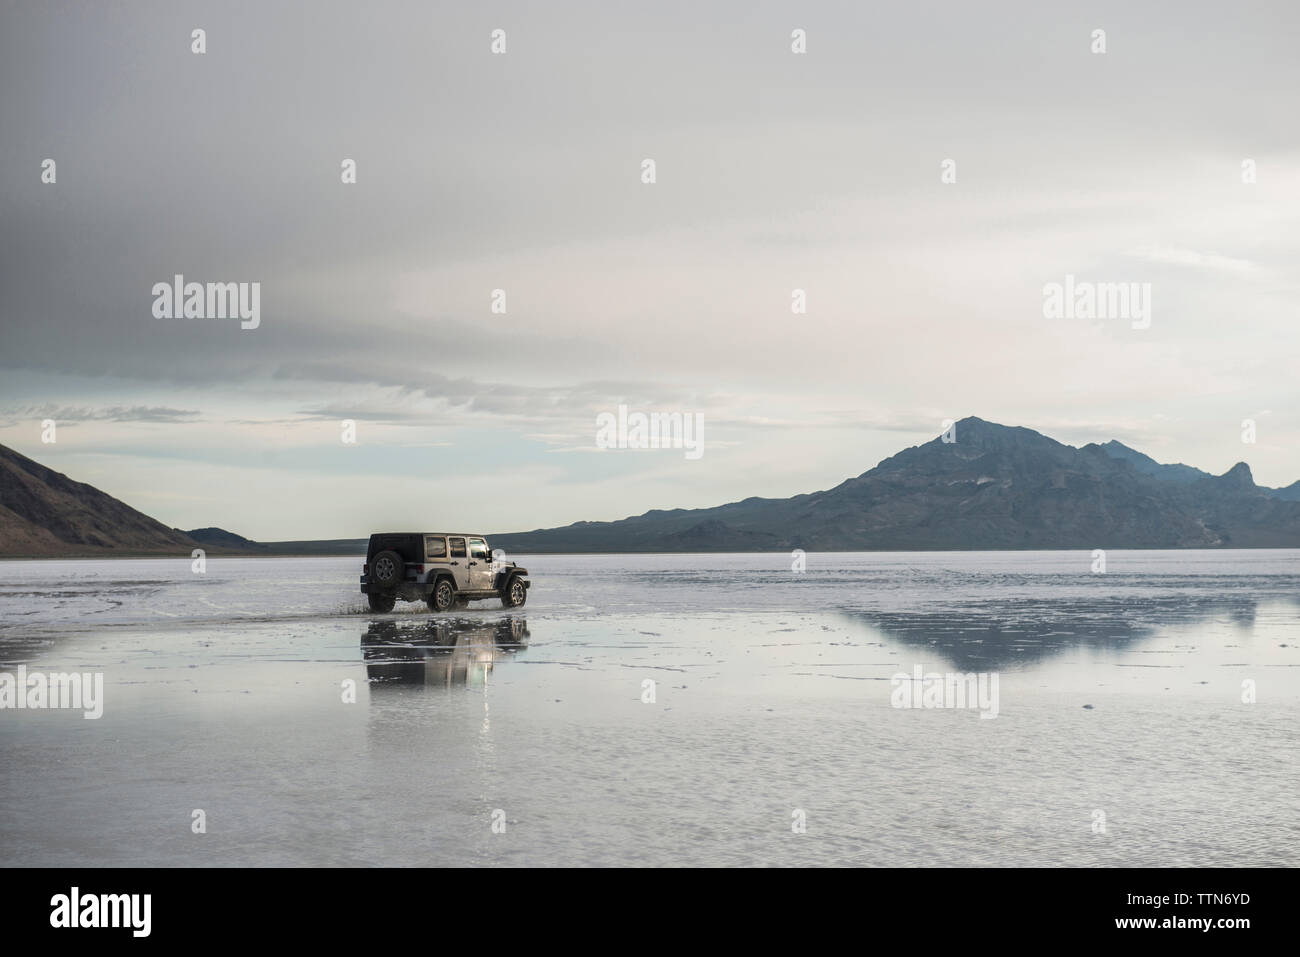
pixel 661 710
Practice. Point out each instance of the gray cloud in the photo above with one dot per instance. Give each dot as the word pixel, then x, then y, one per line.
pixel 71 415
pixel 775 172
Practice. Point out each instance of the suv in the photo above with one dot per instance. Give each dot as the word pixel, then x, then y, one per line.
pixel 440 568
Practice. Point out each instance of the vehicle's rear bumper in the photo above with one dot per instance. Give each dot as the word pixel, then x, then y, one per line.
pixel 410 585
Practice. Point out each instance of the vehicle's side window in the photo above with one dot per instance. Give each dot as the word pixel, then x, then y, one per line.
pixel 457 547
pixel 435 547
pixel 478 548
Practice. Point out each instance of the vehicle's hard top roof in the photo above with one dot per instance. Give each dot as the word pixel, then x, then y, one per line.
pixel 440 534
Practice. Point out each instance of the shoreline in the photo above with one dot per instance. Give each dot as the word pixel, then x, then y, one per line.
pixel 360 553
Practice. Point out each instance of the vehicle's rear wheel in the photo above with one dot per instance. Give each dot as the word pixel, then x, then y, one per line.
pixel 386 569
pixel 381 602
pixel 515 593
pixel 442 596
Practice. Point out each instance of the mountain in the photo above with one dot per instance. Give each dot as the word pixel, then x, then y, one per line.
pixel 1149 466
pixel 1289 494
pixel 994 487
pixel 220 538
pixel 44 513
pixel 1185 474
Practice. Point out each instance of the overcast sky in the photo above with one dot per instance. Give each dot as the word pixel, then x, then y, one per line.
pixel 522 172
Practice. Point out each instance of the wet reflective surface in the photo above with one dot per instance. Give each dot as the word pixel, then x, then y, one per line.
pixel 311 731
pixel 440 652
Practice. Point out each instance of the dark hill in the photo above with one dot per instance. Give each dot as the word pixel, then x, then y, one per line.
pixel 45 513
pixel 220 538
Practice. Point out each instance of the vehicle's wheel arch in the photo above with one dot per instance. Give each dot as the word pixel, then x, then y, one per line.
pixel 516 582
pixel 503 577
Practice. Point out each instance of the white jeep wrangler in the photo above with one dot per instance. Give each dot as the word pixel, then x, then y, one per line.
pixel 443 569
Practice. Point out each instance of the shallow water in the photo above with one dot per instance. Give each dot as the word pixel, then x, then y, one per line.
pixel 773 704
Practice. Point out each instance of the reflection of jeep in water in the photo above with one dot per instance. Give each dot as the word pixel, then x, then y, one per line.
pixel 440 568
pixel 439 652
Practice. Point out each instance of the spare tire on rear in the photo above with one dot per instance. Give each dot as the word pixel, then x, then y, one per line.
pixel 386 569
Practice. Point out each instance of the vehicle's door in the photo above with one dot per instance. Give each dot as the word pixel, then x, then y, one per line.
pixel 435 555
pixel 480 566
pixel 458 559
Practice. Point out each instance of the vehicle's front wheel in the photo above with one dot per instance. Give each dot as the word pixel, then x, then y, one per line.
pixel 515 593
pixel 382 603
pixel 442 596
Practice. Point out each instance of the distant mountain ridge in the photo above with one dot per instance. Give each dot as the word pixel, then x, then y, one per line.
pixel 1149 466
pixel 1186 474
pixel 995 487
pixel 220 538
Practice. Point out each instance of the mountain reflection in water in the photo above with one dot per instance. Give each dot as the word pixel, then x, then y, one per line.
pixel 1002 634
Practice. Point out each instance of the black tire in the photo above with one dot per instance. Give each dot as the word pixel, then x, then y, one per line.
pixel 515 593
pixel 381 603
pixel 443 595
pixel 387 569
